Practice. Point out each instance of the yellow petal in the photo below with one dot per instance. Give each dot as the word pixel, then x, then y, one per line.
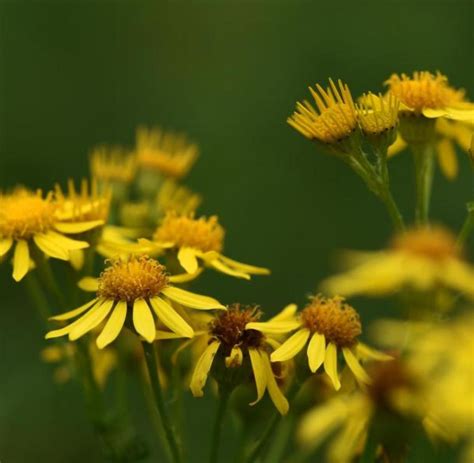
pixel 113 326
pixel 50 247
pixel 223 268
pixel 21 260
pixel 92 319
pixel 143 320
pixel 66 243
pixel 76 258
pixel 259 373
pixel 330 365
pixel 5 245
pixel 235 358
pixel 398 145
pixel 447 159
pixel 185 277
pixel 202 369
pixel 67 329
pixel 274 327
pixel 77 227
pixel 161 335
pixel 171 318
pixel 316 351
pixel 367 352
pixel 450 113
pixel 286 314
pixel 246 268
pixel 278 399
pixel 89 284
pixel 192 300
pixel 355 366
pixel 75 312
pixel 291 346
pixel 187 259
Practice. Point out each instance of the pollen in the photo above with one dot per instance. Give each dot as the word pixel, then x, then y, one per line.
pixel 377 114
pixel 435 243
pixel 83 204
pixel 112 165
pixel 332 317
pixel 169 153
pixel 24 213
pixel 138 277
pixel 229 327
pixel 204 234
pixel 424 90
pixel 334 119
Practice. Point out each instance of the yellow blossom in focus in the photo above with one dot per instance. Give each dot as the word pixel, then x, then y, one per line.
pixel 422 259
pixel 377 114
pixel 168 153
pixel 137 287
pixel 328 326
pixel 35 224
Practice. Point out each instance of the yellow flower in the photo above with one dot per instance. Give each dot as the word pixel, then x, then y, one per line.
pixel 448 134
pixel 195 241
pixel 334 119
pixel 230 341
pixel 112 165
pixel 377 114
pixel 430 95
pixel 139 287
pixel 330 325
pixel 421 259
pixel 168 153
pixel 36 224
pixel 177 198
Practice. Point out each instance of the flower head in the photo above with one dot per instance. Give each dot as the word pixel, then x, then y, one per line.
pixel 377 114
pixel 168 153
pixel 177 198
pixel 112 165
pixel 135 288
pixel 330 325
pixel 34 222
pixel 334 119
pixel 196 241
pixel 231 342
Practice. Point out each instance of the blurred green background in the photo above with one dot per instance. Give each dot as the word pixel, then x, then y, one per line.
pixel 75 74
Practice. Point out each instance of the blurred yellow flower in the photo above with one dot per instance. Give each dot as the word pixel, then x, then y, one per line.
pixel 138 286
pixel 112 165
pixel 331 326
pixel 168 153
pixel 197 241
pixel 235 345
pixel 37 224
pixel 422 259
pixel 177 198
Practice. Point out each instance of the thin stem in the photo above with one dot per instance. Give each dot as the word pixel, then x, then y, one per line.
pixel 370 449
pixel 170 433
pixel 467 227
pixel 423 157
pixel 224 394
pixel 392 209
pixel 37 295
pixel 46 274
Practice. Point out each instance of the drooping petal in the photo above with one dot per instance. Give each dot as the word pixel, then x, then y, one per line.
pixel 76 258
pixel 185 277
pixel 259 373
pixel 113 326
pixel 163 335
pixel 75 312
pixel 143 320
pixel 235 358
pixel 278 399
pixel 450 113
pixel 274 327
pixel 187 259
pixel 355 366
pixel 316 351
pixel 89 284
pixel 367 352
pixel 91 319
pixel 447 159
pixel 50 248
pixel 5 245
pixel 202 369
pixel 21 260
pixel 291 346
pixel 286 314
pixel 245 268
pixel 171 318
pixel 192 300
pixel 77 227
pixel 330 365
pixel 223 268
pixel 65 242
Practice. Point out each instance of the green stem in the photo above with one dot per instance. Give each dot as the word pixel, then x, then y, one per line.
pixel 392 209
pixel 423 157
pixel 46 274
pixel 224 394
pixel 370 450
pixel 467 227
pixel 170 433
pixel 37 295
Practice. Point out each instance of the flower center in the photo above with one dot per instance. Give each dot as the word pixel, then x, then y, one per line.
pixel 138 277
pixel 434 243
pixel 24 214
pixel 338 321
pixel 424 90
pixel 229 328
pixel 204 234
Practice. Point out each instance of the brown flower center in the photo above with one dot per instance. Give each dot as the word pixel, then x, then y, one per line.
pixel 338 321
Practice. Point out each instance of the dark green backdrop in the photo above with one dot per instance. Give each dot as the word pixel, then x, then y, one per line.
pixel 74 74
